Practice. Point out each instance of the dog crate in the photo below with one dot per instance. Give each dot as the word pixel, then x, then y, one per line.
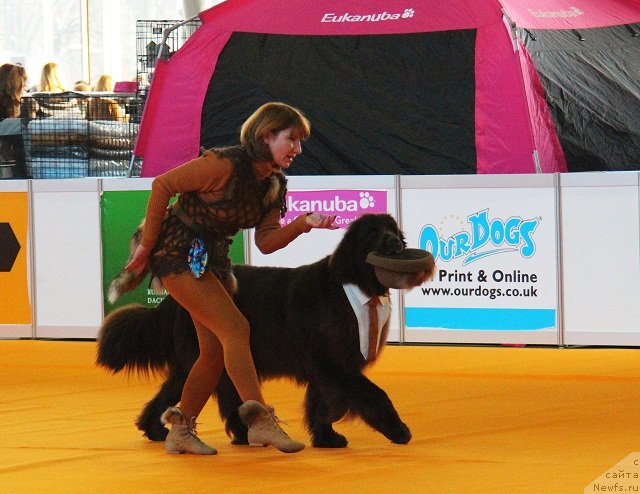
pixel 155 38
pixel 72 135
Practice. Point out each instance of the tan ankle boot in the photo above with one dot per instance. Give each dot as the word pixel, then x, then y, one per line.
pixel 264 428
pixel 182 437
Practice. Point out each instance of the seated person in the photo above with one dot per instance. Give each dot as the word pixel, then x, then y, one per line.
pixel 81 86
pixel 104 108
pixel 49 80
pixel 13 79
pixel 12 83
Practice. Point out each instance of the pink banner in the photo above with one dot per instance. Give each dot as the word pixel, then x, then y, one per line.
pixel 170 129
pixel 347 205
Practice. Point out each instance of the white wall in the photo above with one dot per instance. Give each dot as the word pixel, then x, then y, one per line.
pixel 600 258
pixel 593 250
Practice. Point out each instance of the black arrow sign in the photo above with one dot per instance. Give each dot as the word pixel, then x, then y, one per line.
pixel 9 247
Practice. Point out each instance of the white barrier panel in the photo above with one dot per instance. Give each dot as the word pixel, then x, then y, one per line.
pixel 346 196
pixel 126 184
pixel 67 258
pixel 601 258
pixel 494 239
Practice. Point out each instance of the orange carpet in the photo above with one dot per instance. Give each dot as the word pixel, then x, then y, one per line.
pixel 484 420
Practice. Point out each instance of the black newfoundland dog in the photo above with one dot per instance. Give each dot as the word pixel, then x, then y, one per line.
pixel 302 327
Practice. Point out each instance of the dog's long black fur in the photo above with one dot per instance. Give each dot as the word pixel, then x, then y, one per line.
pixel 302 327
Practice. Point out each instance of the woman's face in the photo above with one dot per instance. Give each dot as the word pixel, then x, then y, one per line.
pixel 284 146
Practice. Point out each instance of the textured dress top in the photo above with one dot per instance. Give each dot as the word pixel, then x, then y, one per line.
pixel 220 193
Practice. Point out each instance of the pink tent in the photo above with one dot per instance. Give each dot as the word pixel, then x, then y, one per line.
pixel 430 87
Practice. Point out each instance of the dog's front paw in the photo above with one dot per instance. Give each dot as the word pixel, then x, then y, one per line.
pixel 239 441
pixel 239 436
pixel 329 440
pixel 402 435
pixel 156 433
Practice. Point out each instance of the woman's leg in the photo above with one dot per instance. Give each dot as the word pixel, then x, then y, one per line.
pixel 220 323
pixel 209 303
pixel 205 373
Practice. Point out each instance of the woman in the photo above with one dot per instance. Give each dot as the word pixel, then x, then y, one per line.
pixel 102 107
pixel 105 83
pixel 220 192
pixel 13 79
pixel 12 83
pixel 49 80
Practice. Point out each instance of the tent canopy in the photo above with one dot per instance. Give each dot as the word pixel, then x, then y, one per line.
pixel 433 87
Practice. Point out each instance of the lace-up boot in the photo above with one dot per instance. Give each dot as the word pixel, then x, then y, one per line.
pixel 182 437
pixel 264 428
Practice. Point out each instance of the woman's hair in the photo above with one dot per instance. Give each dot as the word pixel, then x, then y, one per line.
pixel 49 80
pixel 81 86
pixel 12 81
pixel 105 83
pixel 271 118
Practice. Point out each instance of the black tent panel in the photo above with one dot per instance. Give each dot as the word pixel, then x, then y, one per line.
pixel 379 104
pixel 592 84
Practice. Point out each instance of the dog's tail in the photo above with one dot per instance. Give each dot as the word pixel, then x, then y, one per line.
pixel 136 339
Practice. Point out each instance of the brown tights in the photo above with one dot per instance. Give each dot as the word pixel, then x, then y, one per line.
pixel 223 338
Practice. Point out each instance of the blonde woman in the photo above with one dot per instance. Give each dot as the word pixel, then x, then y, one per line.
pixel 102 108
pixel 49 80
pixel 105 83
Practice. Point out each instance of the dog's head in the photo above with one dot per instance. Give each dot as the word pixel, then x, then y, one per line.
pixel 372 233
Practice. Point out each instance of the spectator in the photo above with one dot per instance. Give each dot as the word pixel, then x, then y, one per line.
pixel 81 86
pixel 13 79
pixel 49 80
pixel 105 83
pixel 103 108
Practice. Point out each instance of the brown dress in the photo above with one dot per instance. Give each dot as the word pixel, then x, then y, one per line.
pixel 220 192
pixel 244 204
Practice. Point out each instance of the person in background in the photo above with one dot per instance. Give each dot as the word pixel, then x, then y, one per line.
pixel 104 108
pixel 13 79
pixel 187 247
pixel 81 86
pixel 49 79
pixel 105 83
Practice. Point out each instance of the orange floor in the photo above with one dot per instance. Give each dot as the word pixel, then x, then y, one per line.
pixel 498 420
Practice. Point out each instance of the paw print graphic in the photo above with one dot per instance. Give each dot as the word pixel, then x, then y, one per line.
pixel 408 13
pixel 366 201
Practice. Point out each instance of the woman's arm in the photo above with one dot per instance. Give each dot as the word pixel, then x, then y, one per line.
pixel 270 236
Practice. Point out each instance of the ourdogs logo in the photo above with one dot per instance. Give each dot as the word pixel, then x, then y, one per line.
pixel 382 16
pixel 486 238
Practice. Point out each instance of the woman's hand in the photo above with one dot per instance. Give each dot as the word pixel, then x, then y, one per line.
pixel 317 220
pixel 139 260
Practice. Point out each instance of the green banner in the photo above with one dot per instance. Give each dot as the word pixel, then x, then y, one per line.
pixel 122 212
